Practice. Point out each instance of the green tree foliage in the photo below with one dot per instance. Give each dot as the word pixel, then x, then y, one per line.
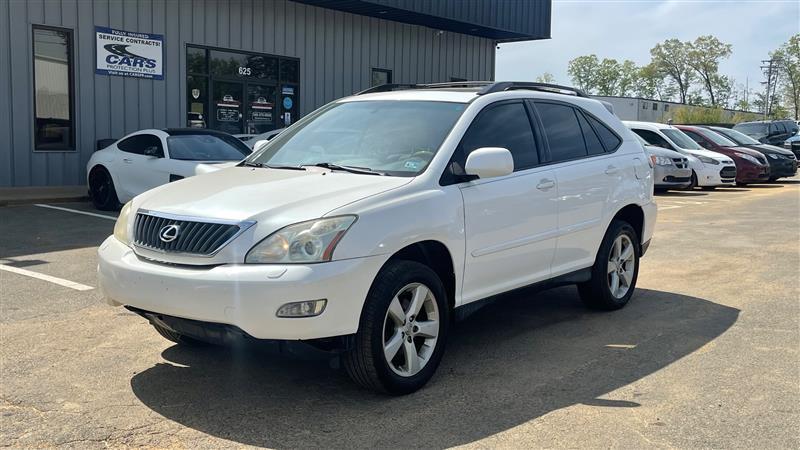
pixel 546 77
pixel 607 77
pixel 671 57
pixel 628 78
pixel 789 54
pixel 583 72
pixel 703 56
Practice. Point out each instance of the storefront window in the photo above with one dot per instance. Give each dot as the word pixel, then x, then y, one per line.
pixel 54 127
pixel 381 76
pixel 290 71
pixel 250 66
pixel 197 94
pixel 196 61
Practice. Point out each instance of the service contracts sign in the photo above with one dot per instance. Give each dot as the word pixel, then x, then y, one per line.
pixel 129 54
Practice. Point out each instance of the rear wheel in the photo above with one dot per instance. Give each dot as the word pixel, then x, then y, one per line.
pixel 615 270
pixel 102 191
pixel 402 332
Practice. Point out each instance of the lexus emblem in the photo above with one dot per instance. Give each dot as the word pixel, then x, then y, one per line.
pixel 168 233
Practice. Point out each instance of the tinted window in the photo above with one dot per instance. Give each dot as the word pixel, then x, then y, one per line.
pixel 243 65
pixel 593 144
pixel 206 147
pixel 752 129
pixel 505 126
pixel 718 139
pixel 137 144
pixel 653 138
pixel 380 76
pixel 609 139
pixel 680 139
pixel 562 130
pixel 54 127
pixel 695 137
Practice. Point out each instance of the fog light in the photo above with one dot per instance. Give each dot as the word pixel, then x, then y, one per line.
pixel 308 308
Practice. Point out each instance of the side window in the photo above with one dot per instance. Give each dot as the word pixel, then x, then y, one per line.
pixel 562 131
pixel 610 140
pixel 653 138
pixel 593 144
pixel 139 143
pixel 505 125
pixel 696 137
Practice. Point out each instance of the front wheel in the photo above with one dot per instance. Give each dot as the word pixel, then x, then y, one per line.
pixel 615 270
pixel 694 182
pixel 402 332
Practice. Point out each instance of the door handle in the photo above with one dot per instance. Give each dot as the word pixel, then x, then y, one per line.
pixel 545 184
pixel 611 170
pixel 127 160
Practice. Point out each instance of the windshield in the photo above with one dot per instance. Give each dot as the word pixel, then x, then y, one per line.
pixel 752 129
pixel 719 139
pixel 680 139
pixel 206 147
pixel 739 138
pixel 388 136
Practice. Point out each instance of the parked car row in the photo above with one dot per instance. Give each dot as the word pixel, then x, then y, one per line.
pixel 717 156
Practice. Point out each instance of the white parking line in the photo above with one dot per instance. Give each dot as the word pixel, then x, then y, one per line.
pixel 76 211
pixel 51 279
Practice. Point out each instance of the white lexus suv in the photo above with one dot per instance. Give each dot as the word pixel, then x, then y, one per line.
pixel 364 228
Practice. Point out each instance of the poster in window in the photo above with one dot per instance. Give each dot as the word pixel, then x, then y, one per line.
pixel 228 109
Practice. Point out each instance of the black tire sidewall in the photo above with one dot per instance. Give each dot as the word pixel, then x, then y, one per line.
pixel 617 229
pixel 101 175
pixel 387 284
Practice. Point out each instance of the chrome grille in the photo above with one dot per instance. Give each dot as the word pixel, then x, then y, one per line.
pixel 193 236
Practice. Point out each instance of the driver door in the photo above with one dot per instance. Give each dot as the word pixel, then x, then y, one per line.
pixel 142 165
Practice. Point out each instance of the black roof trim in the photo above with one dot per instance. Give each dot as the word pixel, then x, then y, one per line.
pixel 482 87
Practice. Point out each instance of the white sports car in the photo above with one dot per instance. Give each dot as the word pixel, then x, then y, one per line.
pixel 149 158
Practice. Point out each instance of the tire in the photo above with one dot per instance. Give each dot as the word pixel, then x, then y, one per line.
pixel 396 286
pixel 708 188
pixel 693 184
pixel 773 179
pixel 102 190
pixel 597 292
pixel 178 338
pixel 738 184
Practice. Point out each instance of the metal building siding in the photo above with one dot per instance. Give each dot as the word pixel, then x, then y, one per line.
pixel 336 51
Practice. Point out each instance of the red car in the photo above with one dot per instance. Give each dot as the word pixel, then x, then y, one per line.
pixel 751 166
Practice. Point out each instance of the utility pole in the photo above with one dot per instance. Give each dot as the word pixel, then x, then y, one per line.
pixel 770 66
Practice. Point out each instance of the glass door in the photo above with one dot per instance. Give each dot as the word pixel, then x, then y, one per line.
pixel 260 111
pixel 228 106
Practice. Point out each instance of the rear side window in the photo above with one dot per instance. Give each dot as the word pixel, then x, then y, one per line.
pixel 653 138
pixel 137 144
pixel 562 130
pixel 505 125
pixel 593 144
pixel 610 140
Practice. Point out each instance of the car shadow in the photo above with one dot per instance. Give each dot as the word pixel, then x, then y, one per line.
pixel 510 362
pixel 680 193
pixel 764 186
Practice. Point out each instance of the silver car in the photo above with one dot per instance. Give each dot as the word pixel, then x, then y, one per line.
pixel 671 169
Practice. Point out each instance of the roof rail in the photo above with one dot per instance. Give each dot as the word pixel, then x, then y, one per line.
pixel 386 88
pixel 546 87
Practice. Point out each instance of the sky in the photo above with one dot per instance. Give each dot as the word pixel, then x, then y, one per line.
pixel 628 29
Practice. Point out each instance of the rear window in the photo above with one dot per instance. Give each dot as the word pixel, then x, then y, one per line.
pixel 751 129
pixel 610 140
pixel 206 147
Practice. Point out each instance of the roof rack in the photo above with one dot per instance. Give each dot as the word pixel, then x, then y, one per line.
pixel 546 87
pixel 489 87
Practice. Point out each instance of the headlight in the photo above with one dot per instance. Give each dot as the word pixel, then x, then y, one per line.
pixel 304 242
pixel 121 227
pixel 752 159
pixel 772 155
pixel 660 160
pixel 707 160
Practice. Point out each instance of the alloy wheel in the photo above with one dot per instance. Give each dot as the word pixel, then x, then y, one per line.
pixel 410 329
pixel 621 266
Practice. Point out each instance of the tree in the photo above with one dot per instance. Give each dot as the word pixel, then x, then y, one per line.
pixel 607 77
pixel 789 53
pixel 628 78
pixel 546 77
pixel 583 72
pixel 650 83
pixel 672 60
pixel 725 90
pixel 703 56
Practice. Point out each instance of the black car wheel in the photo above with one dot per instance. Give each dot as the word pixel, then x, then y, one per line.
pixel 102 191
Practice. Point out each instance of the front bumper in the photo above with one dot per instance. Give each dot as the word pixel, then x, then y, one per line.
pixel 246 296
pixel 717 175
pixel 779 168
pixel 671 176
pixel 751 173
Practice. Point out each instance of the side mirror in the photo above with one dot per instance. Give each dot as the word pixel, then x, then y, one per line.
pixel 153 151
pixel 489 162
pixel 260 143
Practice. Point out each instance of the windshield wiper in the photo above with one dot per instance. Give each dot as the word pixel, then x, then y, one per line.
pixel 270 166
pixel 351 169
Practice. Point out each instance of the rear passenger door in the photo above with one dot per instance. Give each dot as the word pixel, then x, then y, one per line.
pixel 580 151
pixel 509 222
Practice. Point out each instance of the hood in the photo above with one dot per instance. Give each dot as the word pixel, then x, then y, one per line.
pixel 766 148
pixel 660 151
pixel 203 168
pixel 709 154
pixel 747 151
pixel 265 195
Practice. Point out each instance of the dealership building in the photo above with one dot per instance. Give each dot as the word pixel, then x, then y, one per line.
pixel 73 72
